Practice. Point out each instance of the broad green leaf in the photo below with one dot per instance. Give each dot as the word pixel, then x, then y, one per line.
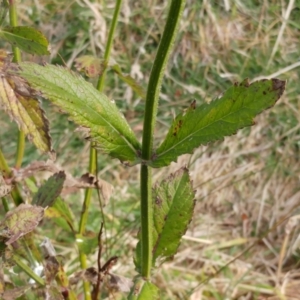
pixel 20 221
pixel 173 210
pixel 17 100
pixel 87 107
pixel 143 290
pixel 50 190
pixel 222 117
pixel 173 206
pixel 26 38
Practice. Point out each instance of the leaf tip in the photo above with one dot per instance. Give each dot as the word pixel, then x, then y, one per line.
pixel 278 86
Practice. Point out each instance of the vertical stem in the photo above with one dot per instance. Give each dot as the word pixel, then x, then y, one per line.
pixel 112 29
pixel 5 170
pixel 153 90
pixel 93 152
pixel 5 204
pixel 13 20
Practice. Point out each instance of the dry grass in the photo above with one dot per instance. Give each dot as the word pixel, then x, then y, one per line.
pixel 243 242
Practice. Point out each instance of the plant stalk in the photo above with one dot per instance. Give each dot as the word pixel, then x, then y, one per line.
pixel 13 21
pixel 93 152
pixel 152 98
pixel 28 271
pixel 6 172
pixel 3 164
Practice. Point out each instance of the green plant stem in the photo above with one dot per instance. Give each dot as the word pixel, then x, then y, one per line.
pixel 4 168
pixel 93 152
pixel 153 90
pixel 29 271
pixel 6 172
pixel 109 43
pixel 5 204
pixel 13 20
pixel 3 164
pixel 83 220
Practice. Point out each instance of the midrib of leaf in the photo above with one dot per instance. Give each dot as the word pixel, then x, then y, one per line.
pixel 203 128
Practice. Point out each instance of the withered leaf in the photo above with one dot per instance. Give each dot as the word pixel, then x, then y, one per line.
pixel 92 66
pixel 71 184
pixel 19 101
pixel 47 248
pixel 14 293
pixel 51 268
pixel 4 188
pixel 20 221
pixel 118 283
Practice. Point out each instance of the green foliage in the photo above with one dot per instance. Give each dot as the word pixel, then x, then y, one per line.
pixel 173 205
pixel 224 116
pixel 87 107
pixel 173 201
pixel 50 190
pixel 144 290
pixel 166 208
pixel 26 38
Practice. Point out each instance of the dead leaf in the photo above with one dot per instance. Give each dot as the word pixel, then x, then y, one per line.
pixel 14 293
pixel 5 189
pixel 51 268
pixel 22 105
pixel 47 248
pixel 119 283
pixel 71 184
pixel 20 221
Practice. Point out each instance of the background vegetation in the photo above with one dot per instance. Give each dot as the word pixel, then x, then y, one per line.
pixel 246 185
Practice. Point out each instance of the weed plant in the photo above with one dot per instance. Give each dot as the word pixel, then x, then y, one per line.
pixel 242 240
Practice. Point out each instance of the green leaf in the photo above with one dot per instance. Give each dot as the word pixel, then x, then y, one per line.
pixel 87 107
pixel 50 190
pixel 222 117
pixel 143 290
pixel 173 210
pixel 26 38
pixel 17 100
pixel 173 206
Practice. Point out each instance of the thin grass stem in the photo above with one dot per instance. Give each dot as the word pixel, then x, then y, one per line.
pixel 13 21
